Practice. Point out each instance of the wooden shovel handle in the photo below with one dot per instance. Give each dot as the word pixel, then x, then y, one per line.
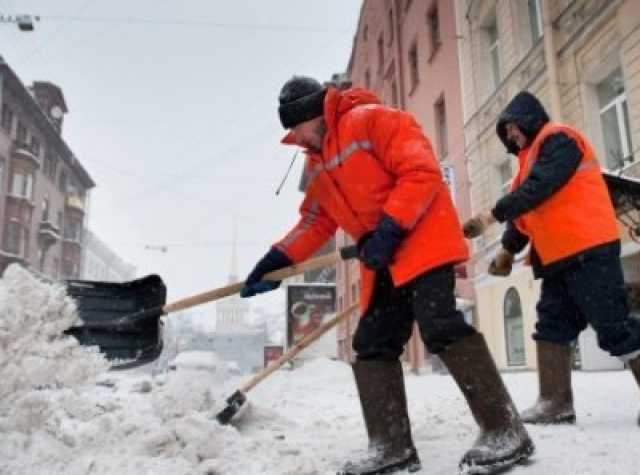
pixel 321 262
pixel 301 345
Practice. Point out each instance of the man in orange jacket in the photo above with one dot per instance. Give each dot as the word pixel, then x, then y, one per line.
pixel 560 204
pixel 372 172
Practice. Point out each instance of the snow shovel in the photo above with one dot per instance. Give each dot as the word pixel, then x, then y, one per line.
pixel 123 319
pixel 239 398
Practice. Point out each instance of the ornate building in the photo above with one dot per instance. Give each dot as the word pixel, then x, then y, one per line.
pixel 43 187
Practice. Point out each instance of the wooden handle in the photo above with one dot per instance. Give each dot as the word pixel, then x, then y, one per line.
pixel 321 262
pixel 301 345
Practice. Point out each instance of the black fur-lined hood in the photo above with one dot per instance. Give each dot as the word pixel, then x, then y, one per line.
pixel 526 111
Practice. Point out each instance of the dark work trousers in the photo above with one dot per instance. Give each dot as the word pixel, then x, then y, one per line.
pixel 428 299
pixel 589 291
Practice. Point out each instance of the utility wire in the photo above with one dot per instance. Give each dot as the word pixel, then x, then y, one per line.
pixel 197 23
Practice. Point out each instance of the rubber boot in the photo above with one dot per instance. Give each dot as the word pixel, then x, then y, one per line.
pixel 384 407
pixel 634 366
pixel 555 403
pixel 503 440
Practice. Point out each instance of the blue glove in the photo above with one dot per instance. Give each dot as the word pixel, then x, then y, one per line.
pixel 272 260
pixel 377 248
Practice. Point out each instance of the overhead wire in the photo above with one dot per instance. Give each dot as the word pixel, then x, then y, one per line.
pixel 198 23
pixel 53 36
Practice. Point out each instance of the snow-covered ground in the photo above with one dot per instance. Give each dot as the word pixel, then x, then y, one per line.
pixel 303 422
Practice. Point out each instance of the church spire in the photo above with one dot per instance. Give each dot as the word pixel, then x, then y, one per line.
pixel 233 275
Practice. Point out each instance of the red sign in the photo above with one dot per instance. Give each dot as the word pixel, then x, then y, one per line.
pixel 272 353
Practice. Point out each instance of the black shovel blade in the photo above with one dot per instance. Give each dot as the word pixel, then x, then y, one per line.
pixel 101 308
pixel 234 403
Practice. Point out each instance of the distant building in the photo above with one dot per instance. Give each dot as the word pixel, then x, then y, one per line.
pixel 43 187
pixel 232 312
pixel 99 262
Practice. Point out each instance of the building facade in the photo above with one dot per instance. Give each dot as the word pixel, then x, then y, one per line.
pixel 99 262
pixel 43 187
pixel 582 59
pixel 407 52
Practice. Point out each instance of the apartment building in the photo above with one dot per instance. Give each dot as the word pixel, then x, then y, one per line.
pixel 43 187
pixel 407 52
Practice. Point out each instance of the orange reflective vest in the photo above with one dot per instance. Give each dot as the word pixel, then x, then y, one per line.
pixel 376 160
pixel 577 217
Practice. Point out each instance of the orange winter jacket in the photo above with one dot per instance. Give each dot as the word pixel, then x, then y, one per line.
pixel 577 217
pixel 376 160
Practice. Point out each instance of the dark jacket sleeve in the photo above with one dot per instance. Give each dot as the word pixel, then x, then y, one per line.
pixel 513 240
pixel 557 161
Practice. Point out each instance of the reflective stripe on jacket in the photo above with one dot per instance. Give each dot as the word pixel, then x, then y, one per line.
pixel 376 160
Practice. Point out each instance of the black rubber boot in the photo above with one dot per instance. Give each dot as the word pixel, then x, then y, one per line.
pixel 384 407
pixel 503 441
pixel 555 403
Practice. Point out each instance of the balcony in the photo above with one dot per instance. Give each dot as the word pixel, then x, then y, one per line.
pixel 24 151
pixel 75 202
pixel 48 233
pixel 7 258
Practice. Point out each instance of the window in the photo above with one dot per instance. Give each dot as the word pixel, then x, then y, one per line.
pixel 365 33
pixel 59 219
pixel 614 116
pixel 35 146
pixel 54 168
pixel 21 133
pixel 440 113
pixel 67 268
pixel 514 328
pixel 413 66
pixel 12 238
pixel 407 4
pixel 22 185
pixel 7 119
pixel 505 175
pixel 354 292
pixel 73 231
pixel 493 51
pixel 1 173
pixel 381 52
pixel 62 181
pixel 45 209
pixel 367 79
pixel 394 94
pixel 433 23
pixel 390 26
pixel 535 20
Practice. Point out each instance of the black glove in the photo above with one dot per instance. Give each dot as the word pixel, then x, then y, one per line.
pixel 272 260
pixel 377 248
pixel 502 264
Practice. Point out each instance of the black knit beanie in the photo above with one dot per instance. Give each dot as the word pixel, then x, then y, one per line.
pixel 301 99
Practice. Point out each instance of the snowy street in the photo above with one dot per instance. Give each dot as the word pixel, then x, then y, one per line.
pixel 298 422
pixel 61 413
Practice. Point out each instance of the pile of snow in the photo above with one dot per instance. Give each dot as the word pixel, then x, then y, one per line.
pixel 301 422
pixel 34 353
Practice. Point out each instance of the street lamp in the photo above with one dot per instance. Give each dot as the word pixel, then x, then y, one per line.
pixel 24 22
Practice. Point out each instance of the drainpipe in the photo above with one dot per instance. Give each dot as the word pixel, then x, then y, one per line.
pixel 551 60
pixel 399 54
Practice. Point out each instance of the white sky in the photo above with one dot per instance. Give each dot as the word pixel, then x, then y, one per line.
pixel 172 110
